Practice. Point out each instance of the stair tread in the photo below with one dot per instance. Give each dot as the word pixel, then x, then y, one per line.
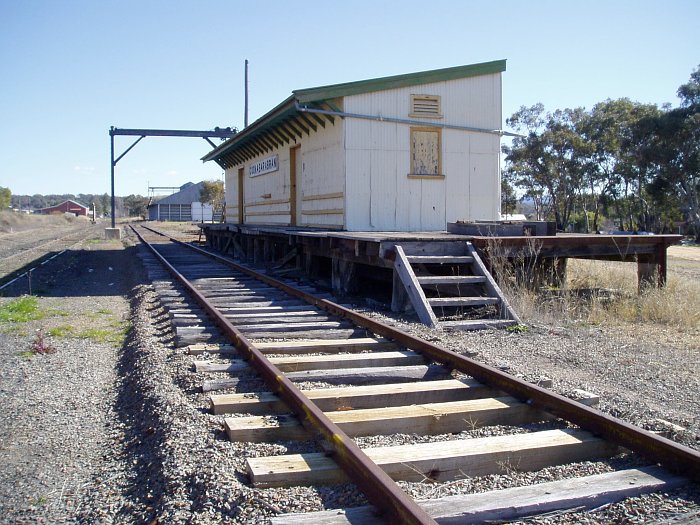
pixel 451 279
pixel 440 259
pixel 462 301
pixel 477 323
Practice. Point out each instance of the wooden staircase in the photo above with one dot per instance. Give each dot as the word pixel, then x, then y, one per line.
pixel 449 287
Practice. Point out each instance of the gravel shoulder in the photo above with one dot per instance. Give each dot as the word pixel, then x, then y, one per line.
pixel 113 429
pixel 56 406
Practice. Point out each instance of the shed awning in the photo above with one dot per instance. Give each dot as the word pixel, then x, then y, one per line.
pixel 283 125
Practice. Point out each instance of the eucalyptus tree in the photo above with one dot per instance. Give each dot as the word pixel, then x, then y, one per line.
pixel 675 152
pixel 212 192
pixel 549 160
pixel 617 175
pixel 5 197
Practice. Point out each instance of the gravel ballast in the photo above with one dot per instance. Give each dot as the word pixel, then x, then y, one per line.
pixel 117 432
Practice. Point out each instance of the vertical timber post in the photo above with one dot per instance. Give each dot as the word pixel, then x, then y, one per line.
pixel 662 264
pixel 245 113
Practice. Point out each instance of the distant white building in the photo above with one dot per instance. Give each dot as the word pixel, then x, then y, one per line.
pixel 183 206
pixel 403 153
pixel 513 217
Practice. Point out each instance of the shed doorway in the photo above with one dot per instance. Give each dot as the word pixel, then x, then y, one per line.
pixel 295 168
pixel 241 200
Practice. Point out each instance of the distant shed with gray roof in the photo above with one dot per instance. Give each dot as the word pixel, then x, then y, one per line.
pixel 182 206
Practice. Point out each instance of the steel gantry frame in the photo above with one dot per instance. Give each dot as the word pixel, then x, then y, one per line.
pixel 219 133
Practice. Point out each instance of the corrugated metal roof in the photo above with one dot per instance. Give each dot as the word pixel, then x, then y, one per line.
pixel 398 81
pixel 187 195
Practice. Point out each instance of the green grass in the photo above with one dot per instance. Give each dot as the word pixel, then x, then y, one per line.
pixel 99 335
pixel 61 331
pixel 55 312
pixel 21 310
pixel 116 333
pixel 517 328
pixel 39 501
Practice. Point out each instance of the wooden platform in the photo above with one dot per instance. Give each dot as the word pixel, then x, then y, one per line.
pixel 348 258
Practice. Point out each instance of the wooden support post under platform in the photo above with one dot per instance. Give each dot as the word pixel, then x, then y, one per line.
pixel 266 252
pixel 652 269
pixel 238 251
pixel 258 257
pixel 551 272
pixel 400 301
pixel 311 265
pixel 648 273
pixel 249 248
pixel 343 277
pixel 229 239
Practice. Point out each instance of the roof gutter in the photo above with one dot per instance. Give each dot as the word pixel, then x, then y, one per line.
pixel 379 118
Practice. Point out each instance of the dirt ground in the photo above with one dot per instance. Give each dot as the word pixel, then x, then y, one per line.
pixel 690 252
pixel 684 261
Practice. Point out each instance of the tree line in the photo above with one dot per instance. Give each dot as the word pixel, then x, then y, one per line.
pixel 129 206
pixel 629 165
pixel 212 192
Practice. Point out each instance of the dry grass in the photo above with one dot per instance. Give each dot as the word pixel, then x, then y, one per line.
pixel 600 293
pixel 11 222
pixel 676 305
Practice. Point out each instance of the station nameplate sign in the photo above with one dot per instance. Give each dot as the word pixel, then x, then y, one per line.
pixel 266 165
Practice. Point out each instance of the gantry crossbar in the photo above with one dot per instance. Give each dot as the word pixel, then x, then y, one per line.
pixel 220 133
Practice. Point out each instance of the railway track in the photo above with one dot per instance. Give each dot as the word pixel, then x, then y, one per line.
pixel 20 252
pixel 362 378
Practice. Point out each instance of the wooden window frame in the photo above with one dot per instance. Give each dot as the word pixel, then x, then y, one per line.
pixel 439 174
pixel 436 98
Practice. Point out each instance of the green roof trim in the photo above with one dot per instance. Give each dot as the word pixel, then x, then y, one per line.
pixel 398 81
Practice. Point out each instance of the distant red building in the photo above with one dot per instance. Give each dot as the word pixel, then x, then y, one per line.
pixel 65 207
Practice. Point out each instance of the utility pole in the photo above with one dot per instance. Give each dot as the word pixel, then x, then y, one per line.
pixel 112 163
pixel 245 111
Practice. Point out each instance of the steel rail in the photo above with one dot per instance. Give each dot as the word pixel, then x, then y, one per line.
pixel 376 484
pixel 673 456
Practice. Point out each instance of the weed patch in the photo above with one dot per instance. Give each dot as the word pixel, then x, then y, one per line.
pixel 39 346
pixel 61 331
pixel 517 328
pixel 590 291
pixel 21 310
pixel 115 333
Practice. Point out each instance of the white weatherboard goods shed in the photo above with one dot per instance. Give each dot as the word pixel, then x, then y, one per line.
pixel 403 153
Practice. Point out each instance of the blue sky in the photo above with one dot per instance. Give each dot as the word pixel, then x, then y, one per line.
pixel 70 69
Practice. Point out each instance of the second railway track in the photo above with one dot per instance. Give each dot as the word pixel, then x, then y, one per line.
pixel 23 249
pixel 362 378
